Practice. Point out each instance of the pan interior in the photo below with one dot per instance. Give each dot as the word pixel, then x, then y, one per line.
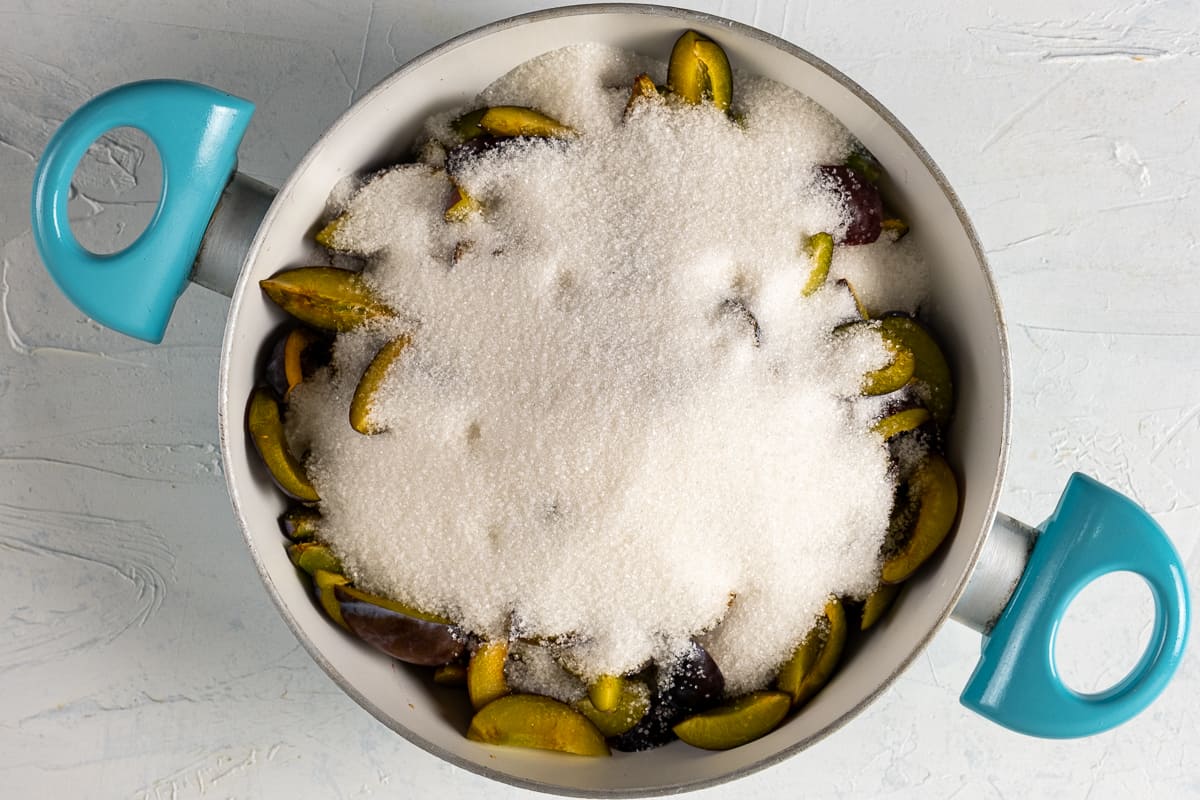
pixel 965 315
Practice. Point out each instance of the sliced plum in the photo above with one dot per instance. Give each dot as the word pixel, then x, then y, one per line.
pixel 864 206
pixel 296 355
pixel 324 297
pixel 747 718
pixel 399 630
pixel 371 382
pixel 630 707
pixel 265 424
pixel 485 673
pixel 699 70
pixel 815 659
pixel 299 523
pixel 820 251
pixel 934 490
pixel 530 720
pixel 513 121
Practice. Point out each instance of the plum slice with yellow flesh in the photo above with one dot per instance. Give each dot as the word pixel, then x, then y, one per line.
pixel 467 125
pixel 324 583
pixel 893 375
pixel 293 347
pixel 485 673
pixel 877 604
pixel 902 421
pixel 717 71
pixel 371 382
pixel 313 556
pixel 327 236
pixel 814 660
pixel 931 372
pixel 844 285
pixel 296 355
pixel 686 74
pixel 299 523
pixel 510 121
pixel 325 297
pixel 530 720
pixel 461 205
pixel 629 708
pixel 747 718
pixel 820 252
pixel 643 91
pixel 699 70
pixel 399 630
pixel 934 490
pixel 265 424
pixel 605 692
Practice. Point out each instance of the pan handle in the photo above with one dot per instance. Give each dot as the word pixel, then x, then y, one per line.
pixel 197 130
pixel 1093 532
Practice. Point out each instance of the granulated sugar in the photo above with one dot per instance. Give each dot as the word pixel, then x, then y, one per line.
pixel 619 424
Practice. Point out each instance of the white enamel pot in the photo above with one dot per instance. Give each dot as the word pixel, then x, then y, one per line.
pixel 223 230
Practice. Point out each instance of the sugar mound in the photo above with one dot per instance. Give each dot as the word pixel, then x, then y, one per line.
pixel 619 425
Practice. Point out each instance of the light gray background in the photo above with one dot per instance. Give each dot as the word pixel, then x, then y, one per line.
pixel 139 654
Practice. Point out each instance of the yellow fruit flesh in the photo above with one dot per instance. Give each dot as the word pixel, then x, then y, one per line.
pixel 846 286
pixel 931 372
pixel 462 206
pixel 529 720
pixel 293 349
pixel 522 121
pixel 313 556
pixel 889 378
pixel 632 705
pixel 369 384
pixel 324 582
pixel 328 235
pixel 605 692
pixel 643 91
pixel 814 661
pixel 936 491
pixel 685 72
pixel 485 674
pixel 324 297
pixel 820 251
pixel 718 72
pixel 266 429
pixel 749 717
pixel 467 126
pixel 894 228
pixel 901 422
pixel 699 70
pixel 877 604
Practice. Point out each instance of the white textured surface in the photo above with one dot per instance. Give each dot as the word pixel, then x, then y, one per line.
pixel 139 654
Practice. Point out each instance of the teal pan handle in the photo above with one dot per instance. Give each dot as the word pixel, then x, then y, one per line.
pixel 197 131
pixel 1094 531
